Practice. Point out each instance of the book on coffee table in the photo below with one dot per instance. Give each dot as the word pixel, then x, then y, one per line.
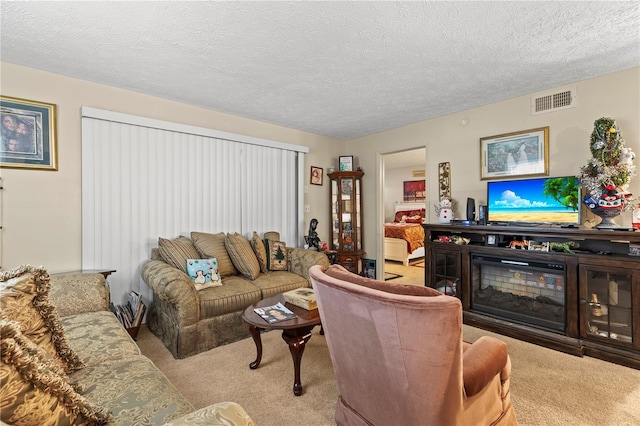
pixel 275 313
pixel 303 297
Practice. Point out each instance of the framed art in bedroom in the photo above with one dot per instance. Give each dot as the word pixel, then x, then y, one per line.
pixel 414 191
pixel 28 134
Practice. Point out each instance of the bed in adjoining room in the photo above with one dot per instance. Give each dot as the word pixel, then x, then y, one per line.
pixel 404 237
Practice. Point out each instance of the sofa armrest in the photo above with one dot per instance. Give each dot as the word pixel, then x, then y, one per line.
pixel 300 260
pixel 79 293
pixel 222 413
pixel 173 286
pixel 482 361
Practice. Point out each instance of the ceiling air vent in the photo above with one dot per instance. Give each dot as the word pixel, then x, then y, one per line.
pixel 554 101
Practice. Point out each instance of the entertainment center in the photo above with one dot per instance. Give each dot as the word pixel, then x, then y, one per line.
pixel 582 296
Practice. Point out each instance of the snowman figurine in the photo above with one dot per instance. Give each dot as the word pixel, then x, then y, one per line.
pixel 444 210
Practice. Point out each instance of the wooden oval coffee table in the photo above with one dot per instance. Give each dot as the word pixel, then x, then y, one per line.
pixel 296 332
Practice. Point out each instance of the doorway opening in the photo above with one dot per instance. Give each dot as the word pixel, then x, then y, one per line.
pixel 403 198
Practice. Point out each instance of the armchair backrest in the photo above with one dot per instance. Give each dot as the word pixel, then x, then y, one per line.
pixel 396 349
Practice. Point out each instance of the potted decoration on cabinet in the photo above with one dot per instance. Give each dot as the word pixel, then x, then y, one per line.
pixel 607 174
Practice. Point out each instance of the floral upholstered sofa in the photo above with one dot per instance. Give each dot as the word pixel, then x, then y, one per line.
pixel 190 321
pixel 67 360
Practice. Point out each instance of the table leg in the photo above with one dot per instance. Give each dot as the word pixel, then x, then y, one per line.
pixel 296 342
pixel 255 333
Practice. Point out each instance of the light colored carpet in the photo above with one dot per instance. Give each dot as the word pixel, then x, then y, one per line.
pixel 223 374
pixel 410 274
pixel 547 387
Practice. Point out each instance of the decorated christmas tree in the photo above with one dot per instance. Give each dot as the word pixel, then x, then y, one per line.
pixel 607 175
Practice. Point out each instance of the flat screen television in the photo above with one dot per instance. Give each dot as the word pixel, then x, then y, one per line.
pixel 550 200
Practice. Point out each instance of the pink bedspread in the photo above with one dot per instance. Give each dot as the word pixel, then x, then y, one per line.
pixel 412 233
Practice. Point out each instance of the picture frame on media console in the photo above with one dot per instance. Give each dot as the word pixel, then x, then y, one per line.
pixel 523 153
pixel 28 134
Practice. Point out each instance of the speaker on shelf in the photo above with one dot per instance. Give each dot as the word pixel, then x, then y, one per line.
pixel 482 215
pixel 471 209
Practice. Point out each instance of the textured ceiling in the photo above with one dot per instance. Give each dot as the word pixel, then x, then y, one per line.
pixel 341 69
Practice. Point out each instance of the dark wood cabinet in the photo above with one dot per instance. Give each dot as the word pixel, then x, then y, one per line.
pixel 347 237
pixel 582 299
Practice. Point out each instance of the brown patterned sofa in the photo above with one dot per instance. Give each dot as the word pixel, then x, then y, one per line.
pixel 191 321
pixel 67 360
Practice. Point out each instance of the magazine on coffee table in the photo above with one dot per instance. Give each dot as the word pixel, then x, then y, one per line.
pixel 275 313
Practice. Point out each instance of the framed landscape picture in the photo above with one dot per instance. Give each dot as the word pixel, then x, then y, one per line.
pixel 28 134
pixel 524 153
pixel 414 191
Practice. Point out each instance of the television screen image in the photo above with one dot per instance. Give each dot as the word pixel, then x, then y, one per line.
pixel 535 201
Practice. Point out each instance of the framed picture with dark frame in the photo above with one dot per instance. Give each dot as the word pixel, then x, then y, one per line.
pixel 316 176
pixel 346 163
pixel 414 191
pixel 524 153
pixel 28 134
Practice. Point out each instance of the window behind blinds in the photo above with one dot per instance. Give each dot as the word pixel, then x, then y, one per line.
pixel 143 179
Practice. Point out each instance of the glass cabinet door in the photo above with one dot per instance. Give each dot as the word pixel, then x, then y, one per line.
pixel 347 200
pixel 606 304
pixel 445 265
pixel 335 216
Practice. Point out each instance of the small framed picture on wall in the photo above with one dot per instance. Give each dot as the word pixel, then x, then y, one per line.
pixel 346 163
pixel 316 175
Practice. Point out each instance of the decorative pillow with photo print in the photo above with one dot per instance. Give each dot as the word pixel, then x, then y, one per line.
pixel 204 273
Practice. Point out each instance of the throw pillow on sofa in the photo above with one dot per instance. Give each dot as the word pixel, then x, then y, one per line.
pixel 176 252
pixel 24 298
pixel 33 392
pixel 213 245
pixel 204 273
pixel 276 256
pixel 242 255
pixel 260 251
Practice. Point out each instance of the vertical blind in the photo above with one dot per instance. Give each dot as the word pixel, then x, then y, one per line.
pixel 143 179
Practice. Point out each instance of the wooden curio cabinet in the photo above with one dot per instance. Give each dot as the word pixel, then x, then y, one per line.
pixel 346 219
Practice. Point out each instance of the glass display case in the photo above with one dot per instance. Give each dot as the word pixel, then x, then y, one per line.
pixel 346 219
pixel 607 304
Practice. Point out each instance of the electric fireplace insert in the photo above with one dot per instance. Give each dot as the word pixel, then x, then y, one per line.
pixel 524 291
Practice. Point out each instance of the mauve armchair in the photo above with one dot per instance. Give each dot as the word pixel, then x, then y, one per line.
pixel 399 358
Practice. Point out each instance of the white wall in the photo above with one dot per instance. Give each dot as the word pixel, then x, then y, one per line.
pixel 447 139
pixel 41 210
pixel 394 189
pixel 41 215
